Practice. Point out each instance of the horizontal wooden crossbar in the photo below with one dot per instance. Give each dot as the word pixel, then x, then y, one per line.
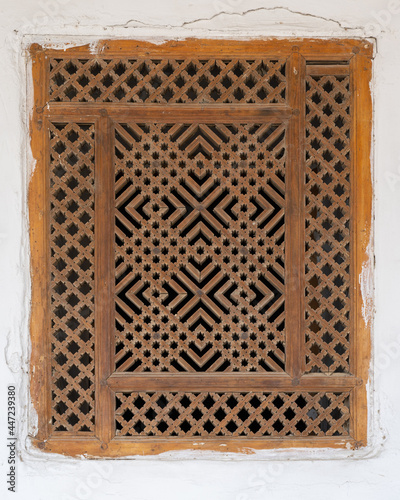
pixel 227 382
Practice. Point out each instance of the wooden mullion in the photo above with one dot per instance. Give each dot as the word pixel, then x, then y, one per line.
pixel 301 178
pixel 104 279
pixel 294 255
pixel 353 213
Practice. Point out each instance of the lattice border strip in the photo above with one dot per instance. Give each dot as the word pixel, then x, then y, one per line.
pixel 167 80
pixel 211 414
pixel 328 245
pixel 72 216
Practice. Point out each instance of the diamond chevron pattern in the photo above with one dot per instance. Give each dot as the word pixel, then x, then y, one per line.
pixel 200 247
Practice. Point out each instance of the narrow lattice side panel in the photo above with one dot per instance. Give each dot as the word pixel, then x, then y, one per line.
pixel 327 190
pixel 253 414
pixel 72 276
pixel 199 249
pixel 168 81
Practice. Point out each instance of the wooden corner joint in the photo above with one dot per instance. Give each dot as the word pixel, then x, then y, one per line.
pixel 359 444
pixel 35 49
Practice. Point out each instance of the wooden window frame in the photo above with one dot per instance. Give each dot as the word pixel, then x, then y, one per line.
pixel 103 443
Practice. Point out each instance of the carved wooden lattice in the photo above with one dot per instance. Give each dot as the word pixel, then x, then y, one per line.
pixel 219 303
pixel 204 205
pixel 327 176
pixel 72 275
pixel 168 80
pixel 254 414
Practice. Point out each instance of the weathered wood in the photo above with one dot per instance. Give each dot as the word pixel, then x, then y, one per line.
pixel 218 177
pixel 125 382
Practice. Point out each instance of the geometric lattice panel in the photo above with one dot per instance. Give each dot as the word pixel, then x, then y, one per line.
pixel 72 276
pixel 211 414
pixel 168 81
pixel 327 259
pixel 200 233
pixel 200 218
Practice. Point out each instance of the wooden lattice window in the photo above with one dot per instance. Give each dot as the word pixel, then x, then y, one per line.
pixel 200 213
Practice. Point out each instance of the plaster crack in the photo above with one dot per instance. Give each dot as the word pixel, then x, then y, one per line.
pixel 244 13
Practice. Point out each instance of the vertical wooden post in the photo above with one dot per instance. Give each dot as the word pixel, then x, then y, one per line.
pixel 104 230
pixel 295 220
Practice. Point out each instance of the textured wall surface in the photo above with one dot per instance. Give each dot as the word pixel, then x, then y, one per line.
pixel 364 474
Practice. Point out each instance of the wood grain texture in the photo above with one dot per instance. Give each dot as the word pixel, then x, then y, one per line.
pixel 104 279
pixel 39 224
pixel 362 239
pixel 126 447
pixel 311 48
pixel 294 220
pixel 129 91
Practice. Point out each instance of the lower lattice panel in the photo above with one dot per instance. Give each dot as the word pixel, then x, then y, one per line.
pixel 252 414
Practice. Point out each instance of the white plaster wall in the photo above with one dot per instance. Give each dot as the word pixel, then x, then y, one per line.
pixel 370 474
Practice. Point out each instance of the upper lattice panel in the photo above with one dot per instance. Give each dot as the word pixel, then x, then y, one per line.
pixel 169 81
